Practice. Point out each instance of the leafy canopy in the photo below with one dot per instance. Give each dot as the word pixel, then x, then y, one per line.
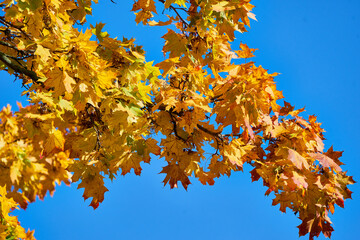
pixel 96 108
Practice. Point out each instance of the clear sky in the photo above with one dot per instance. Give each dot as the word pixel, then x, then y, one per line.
pixel 314 44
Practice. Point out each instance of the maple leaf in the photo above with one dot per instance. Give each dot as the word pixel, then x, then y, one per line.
pixel 55 141
pixel 168 65
pixel 68 82
pixel 223 5
pixel 175 43
pixel 334 155
pixel 326 161
pixel 94 187
pixel 178 2
pixel 152 147
pixel 97 30
pixel 286 109
pixel 162 23
pixel 130 161
pixel 254 175
pixel 105 79
pixel 205 177
pixel 174 174
pixel 60 81
pixel 298 160
pixel 245 52
pixel 9 226
pixel 96 105
pixel 314 226
pixel 219 168
pixel 236 152
pixel 44 53
pixel 15 171
pixel 299 180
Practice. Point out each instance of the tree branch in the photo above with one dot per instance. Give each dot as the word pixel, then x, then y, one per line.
pixel 6 59
pixel 177 13
pixel 8 24
pixel 15 48
pixel 173 121
pixel 215 134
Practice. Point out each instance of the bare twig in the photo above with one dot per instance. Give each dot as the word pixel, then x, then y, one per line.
pixel 177 13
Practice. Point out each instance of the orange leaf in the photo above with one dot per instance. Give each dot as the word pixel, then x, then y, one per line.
pixel 326 161
pixel 298 160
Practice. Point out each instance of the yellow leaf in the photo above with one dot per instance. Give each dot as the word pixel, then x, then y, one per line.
pixel 105 79
pixel 130 161
pixel 222 6
pixel 44 53
pixel 93 187
pixel 55 141
pixel 168 65
pixel 161 23
pixel 236 151
pixel 55 80
pixel 144 91
pixel 68 81
pixel 178 2
pixel 15 171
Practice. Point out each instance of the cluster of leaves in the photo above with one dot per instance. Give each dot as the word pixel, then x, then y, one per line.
pixel 96 105
pixel 9 225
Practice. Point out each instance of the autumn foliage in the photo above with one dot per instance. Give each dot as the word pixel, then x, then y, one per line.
pixel 98 109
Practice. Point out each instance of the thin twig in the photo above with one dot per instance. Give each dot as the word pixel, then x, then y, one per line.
pixel 173 121
pixel 177 13
pixel 25 52
pixel 3 21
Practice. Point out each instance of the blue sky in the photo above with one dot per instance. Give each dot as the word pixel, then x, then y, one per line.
pixel 315 47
